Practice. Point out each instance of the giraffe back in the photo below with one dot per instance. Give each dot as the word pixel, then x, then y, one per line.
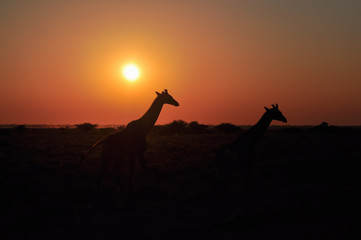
pixel 125 144
pixel 236 157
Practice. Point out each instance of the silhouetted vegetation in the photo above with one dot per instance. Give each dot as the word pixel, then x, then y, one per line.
pixel 121 127
pixel 182 127
pixel 86 127
pixel 227 128
pixel 195 127
pixel 177 127
pixel 20 129
pixel 324 127
pixel 64 129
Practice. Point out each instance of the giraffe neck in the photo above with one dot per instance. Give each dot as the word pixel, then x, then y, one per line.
pixel 257 131
pixel 150 117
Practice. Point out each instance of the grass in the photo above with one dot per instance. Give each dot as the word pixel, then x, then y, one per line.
pixel 304 185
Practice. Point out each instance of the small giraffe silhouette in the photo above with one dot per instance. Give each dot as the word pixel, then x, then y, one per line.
pixel 235 160
pixel 130 143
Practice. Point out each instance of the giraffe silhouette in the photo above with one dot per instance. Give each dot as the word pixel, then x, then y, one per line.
pixel 235 161
pixel 130 143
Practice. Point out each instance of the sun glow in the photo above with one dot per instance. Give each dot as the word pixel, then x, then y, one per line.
pixel 131 72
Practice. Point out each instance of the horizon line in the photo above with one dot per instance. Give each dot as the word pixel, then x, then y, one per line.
pixel 40 125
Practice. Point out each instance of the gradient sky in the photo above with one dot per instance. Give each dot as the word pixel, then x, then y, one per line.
pixel 223 61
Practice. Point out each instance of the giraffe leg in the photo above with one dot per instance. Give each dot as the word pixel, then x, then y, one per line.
pixel 103 164
pixel 247 173
pixel 131 197
pixel 131 173
pixel 220 178
pixel 224 170
pixel 117 172
pixel 143 163
pixel 99 195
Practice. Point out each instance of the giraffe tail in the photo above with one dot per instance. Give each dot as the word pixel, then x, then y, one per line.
pixel 95 145
pixel 90 150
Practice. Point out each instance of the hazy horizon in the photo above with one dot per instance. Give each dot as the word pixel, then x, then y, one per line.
pixel 117 125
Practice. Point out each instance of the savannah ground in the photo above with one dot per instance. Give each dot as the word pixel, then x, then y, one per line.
pixel 305 185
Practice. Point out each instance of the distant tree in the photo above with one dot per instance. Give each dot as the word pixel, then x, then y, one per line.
pixel 121 127
pixel 324 125
pixel 177 127
pixel 195 127
pixel 324 128
pixel 86 127
pixel 227 128
pixel 64 129
pixel 20 129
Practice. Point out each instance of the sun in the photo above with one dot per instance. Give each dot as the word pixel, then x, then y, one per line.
pixel 131 72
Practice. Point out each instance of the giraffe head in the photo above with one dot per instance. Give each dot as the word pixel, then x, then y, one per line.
pixel 275 113
pixel 165 98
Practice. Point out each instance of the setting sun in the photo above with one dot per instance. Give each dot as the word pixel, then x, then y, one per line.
pixel 131 72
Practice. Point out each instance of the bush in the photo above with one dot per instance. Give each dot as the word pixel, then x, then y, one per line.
pixel 176 127
pixel 64 129
pixel 121 127
pixel 20 129
pixel 195 127
pixel 227 128
pixel 86 127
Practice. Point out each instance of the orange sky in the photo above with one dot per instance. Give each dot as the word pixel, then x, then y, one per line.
pixel 221 60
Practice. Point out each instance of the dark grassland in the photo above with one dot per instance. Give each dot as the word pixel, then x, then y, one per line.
pixel 305 185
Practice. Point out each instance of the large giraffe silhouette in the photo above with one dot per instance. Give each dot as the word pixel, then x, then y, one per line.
pixel 235 161
pixel 130 143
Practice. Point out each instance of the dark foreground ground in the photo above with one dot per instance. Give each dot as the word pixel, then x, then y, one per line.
pixel 305 185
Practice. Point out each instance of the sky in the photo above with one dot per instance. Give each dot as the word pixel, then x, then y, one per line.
pixel 223 61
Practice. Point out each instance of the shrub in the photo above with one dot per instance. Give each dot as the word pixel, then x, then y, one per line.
pixel 195 127
pixel 86 127
pixel 20 129
pixel 121 127
pixel 176 127
pixel 227 128
pixel 64 129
